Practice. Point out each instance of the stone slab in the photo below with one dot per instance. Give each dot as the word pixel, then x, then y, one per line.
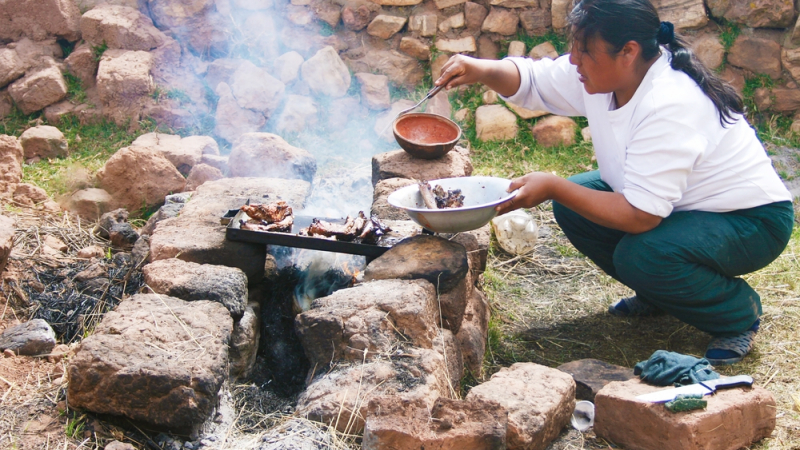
pixel 734 418
pixel 399 164
pixel 197 236
pixel 154 358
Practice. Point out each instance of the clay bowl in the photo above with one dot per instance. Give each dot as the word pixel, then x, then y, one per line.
pixel 426 136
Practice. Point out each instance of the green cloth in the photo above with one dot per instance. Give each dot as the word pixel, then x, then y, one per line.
pixel 666 368
pixel 689 265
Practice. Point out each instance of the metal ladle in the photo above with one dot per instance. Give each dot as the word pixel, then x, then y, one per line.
pixel 430 94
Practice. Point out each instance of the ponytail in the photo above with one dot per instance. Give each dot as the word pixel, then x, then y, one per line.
pixel 641 24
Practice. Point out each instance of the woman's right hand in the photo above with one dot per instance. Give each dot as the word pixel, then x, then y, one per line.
pixel 502 76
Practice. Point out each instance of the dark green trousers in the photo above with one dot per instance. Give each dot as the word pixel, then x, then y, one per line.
pixel 688 265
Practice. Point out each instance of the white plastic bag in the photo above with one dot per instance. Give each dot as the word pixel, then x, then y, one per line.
pixel 516 232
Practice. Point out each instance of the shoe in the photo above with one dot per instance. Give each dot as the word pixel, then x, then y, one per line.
pixel 632 307
pixel 729 350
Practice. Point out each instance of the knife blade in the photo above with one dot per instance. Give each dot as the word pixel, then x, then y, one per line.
pixel 702 388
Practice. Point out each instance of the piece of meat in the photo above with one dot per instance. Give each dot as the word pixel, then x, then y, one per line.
pixel 448 199
pixel 270 213
pixel 342 232
pixel 373 230
pixel 283 226
pixel 427 194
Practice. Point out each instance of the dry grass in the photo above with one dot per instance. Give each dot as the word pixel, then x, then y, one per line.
pixel 550 308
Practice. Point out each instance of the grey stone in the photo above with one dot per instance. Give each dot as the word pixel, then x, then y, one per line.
pixel 191 281
pixel 31 338
pixel 591 375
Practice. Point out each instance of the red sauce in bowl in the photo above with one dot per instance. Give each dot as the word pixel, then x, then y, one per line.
pixel 426 130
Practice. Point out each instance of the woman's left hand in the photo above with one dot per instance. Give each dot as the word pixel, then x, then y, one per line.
pixel 534 188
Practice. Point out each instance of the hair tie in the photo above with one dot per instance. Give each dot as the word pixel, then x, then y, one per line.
pixel 666 33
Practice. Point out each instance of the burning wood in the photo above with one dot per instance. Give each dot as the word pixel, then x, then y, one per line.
pixel 271 213
pixel 367 230
pixel 438 198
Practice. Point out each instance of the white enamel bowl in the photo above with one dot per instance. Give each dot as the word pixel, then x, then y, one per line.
pixel 481 195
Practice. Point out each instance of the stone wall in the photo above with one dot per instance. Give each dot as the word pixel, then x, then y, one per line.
pixel 211 50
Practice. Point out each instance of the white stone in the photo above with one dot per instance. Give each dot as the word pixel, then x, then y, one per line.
pixel 495 123
pixel 463 45
pixel 326 73
pixel 516 48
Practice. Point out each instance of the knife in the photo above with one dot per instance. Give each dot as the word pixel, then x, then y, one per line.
pixel 702 388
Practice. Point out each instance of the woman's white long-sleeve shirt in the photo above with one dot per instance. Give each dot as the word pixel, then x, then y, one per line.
pixel 665 149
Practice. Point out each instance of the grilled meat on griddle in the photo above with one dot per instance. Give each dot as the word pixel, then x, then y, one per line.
pixel 271 213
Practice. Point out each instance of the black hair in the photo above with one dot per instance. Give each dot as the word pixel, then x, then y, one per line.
pixel 621 21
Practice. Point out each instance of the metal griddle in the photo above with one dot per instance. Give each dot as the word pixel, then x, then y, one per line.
pixel 233 232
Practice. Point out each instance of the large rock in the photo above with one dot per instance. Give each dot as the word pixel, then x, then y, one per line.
pixel 43 142
pixel 11 157
pixel 120 27
pixel 200 174
pixel 139 177
pixel 220 71
pixel 683 13
pixel 450 424
pixel 591 375
pixel 299 113
pixel 38 89
pixel 452 22
pixel 194 22
pixel 340 397
pixel 755 14
pixel 183 153
pixel 543 50
pixel 7 231
pixel 535 22
pixel 255 89
pixel 372 318
pixel 39 19
pixel 461 45
pixel 423 24
pixel 555 131
pixel 206 243
pixel 89 203
pixel 191 281
pixel 385 26
pixel 154 358
pixel 734 418
pixel 400 68
pixel 474 15
pixel 501 21
pixel 560 9
pixel 11 66
pixel 380 204
pixel 31 338
pixel 82 63
pixel 495 123
pixel 268 155
pixel 474 332
pixel 326 73
pixel 124 83
pixel 415 48
pixel 400 164
pixel 709 50
pixel 244 342
pixel 374 90
pixel 287 67
pixel 232 120
pixel 539 401
pixel 756 55
pixel 440 261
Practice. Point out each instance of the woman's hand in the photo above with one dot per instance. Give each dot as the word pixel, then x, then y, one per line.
pixel 609 209
pixel 501 76
pixel 534 188
pixel 458 70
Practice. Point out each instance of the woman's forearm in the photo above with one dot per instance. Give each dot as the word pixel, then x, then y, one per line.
pixel 609 209
pixel 500 76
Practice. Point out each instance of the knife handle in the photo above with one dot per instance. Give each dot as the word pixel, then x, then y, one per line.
pixel 729 382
